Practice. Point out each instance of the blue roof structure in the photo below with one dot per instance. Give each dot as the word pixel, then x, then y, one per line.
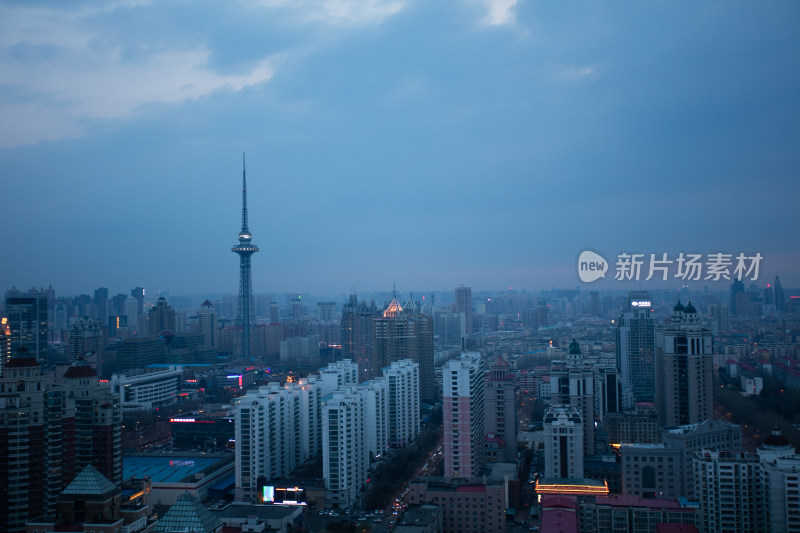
pixel 169 469
pixel 180 365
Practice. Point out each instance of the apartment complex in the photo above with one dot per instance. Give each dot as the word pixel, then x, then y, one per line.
pixel 463 411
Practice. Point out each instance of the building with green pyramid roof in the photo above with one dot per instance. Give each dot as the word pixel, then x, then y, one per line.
pixel 187 515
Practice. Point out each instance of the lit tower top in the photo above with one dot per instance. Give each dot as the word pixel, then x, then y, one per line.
pixel 394 309
pixel 246 308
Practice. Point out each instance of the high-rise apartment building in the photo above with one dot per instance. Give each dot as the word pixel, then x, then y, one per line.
pixel 500 413
pixel 310 393
pixel 740 299
pixel 375 395
pixel 405 334
pixel 207 324
pixel 737 491
pixel 86 335
pixel 138 294
pixel 357 330
pixel 27 323
pixel 404 418
pixel 451 329
pixel 594 303
pixel 326 311
pixel 424 330
pixel 277 428
pixel 608 390
pixel 272 436
pixel 92 424
pixel 463 304
pixel 296 308
pixel 345 457
pixel 684 368
pixel 296 349
pixel 780 296
pixel 355 430
pixel 563 443
pixel 60 321
pixel 636 350
pixel 262 302
pixel 720 315
pixel 780 480
pixel 138 352
pixel 48 433
pixel 464 416
pixel 131 313
pixel 5 343
pixel 100 307
pixel 160 318
pixel 729 489
pixel 338 375
pixel 31 448
pixel 117 305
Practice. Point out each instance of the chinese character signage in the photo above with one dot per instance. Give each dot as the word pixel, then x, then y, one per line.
pixel 631 266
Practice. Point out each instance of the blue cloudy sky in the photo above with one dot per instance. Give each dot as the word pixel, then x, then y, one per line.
pixel 429 142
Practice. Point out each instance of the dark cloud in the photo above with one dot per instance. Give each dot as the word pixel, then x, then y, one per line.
pixel 426 147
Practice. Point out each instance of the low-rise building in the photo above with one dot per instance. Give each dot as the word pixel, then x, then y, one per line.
pixel 466 507
pixel 664 470
pixel 171 476
pixel 249 518
pixel 616 513
pixel 147 390
pixel 421 519
pixel 206 429
pixel 632 427
pixel 652 471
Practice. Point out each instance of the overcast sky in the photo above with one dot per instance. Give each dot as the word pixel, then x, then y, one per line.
pixel 429 142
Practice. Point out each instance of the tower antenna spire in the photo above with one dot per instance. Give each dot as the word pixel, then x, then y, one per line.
pixel 245 229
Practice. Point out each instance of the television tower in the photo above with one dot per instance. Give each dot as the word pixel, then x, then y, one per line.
pixel 246 312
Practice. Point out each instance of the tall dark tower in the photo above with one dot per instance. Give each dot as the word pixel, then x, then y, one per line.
pixel 245 249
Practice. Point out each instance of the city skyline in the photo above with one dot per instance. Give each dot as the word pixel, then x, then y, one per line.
pixel 382 297
pixel 482 143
